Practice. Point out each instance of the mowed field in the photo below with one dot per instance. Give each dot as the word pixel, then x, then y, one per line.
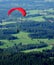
pixel 22 37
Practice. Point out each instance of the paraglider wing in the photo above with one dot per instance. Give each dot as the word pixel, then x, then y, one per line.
pixel 19 9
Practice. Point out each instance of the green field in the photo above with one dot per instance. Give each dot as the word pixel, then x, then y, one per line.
pixel 38 18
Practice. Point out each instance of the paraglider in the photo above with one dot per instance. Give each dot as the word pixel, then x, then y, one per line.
pixel 19 9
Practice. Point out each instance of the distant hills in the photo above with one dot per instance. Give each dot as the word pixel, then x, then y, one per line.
pixel 27 3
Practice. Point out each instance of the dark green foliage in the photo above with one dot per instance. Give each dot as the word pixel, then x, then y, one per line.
pixel 33 58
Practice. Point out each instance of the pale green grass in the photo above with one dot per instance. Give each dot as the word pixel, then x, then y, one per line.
pixel 39 49
pixel 30 12
pixel 6 43
pixel 50 16
pixel 5 23
pixel 37 19
pixel 50 10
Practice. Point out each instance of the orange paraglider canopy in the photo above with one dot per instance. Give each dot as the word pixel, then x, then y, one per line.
pixel 19 9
